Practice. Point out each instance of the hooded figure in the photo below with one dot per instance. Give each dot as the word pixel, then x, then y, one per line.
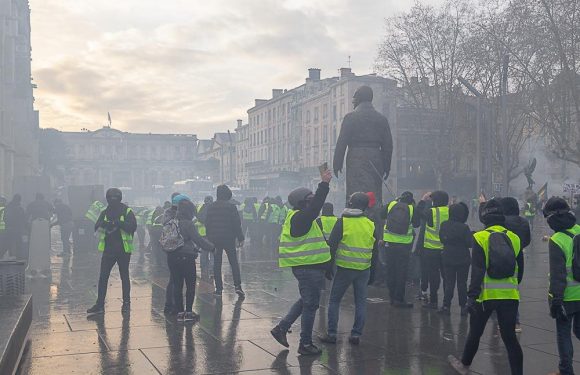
pixel 514 222
pixel 367 136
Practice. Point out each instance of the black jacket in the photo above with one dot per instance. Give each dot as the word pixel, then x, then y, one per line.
pixel 113 240
pixel 223 224
pixel 456 237
pixel 191 237
pixel 521 227
pixel 63 214
pixel 15 217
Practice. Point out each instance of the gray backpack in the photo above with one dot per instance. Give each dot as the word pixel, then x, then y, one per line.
pixel 171 239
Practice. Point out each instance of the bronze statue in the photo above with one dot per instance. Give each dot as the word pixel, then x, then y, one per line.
pixel 367 135
pixel 528 171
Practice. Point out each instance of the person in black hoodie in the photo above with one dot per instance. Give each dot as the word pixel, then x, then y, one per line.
pixel 457 240
pixel 224 228
pixel 181 262
pixel 116 225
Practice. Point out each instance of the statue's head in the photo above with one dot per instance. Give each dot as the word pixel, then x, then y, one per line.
pixel 361 95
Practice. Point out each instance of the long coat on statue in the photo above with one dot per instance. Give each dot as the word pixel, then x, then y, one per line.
pixel 367 136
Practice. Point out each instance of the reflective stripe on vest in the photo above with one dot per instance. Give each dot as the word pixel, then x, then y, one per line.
pixel 2 222
pixel 302 251
pixel 126 237
pixel 399 238
pixel 439 216
pixel 494 289
pixel 565 243
pixel 328 223
pixel 94 211
pixel 355 250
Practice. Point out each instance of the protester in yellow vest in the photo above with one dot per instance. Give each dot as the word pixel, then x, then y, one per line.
pixel 116 226
pixel 353 243
pixel 94 211
pixel 327 220
pixel 432 248
pixel 497 267
pixel 564 289
pixel 3 240
pixel 303 248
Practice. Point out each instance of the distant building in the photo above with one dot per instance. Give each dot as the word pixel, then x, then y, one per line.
pixel 242 147
pixel 220 153
pixel 18 119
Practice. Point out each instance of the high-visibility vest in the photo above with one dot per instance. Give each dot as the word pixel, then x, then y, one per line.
pixel 328 223
pixel 529 211
pixel 399 238
pixel 493 289
pixel 126 237
pixel 282 215
pixel 355 250
pixel 310 248
pixel 94 211
pixel 264 216
pixel 2 222
pixel 432 240
pixel 246 216
pixel 565 243
pixel 199 225
pixel 273 218
pixel 142 216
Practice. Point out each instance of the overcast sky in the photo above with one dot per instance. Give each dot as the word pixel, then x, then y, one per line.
pixel 189 66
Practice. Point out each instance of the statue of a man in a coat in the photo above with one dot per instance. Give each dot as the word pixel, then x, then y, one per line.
pixel 367 135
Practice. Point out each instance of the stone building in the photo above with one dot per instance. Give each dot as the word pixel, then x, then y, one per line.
pixel 220 153
pixel 18 119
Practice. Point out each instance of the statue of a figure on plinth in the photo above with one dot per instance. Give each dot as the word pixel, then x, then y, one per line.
pixel 367 136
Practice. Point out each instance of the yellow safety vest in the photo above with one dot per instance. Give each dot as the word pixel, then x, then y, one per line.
pixel 273 218
pixel 126 237
pixel 328 223
pixel 94 211
pixel 494 289
pixel 432 240
pixel 399 238
pixel 282 215
pixel 247 216
pixel 264 216
pixel 2 222
pixel 302 251
pixel 565 243
pixel 199 225
pixel 355 250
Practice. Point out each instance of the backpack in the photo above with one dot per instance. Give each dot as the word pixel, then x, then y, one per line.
pixel 171 239
pixel 399 218
pixel 575 255
pixel 502 257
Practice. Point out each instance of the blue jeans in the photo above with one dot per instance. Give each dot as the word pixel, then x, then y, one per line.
pixel 342 280
pixel 565 347
pixel 310 283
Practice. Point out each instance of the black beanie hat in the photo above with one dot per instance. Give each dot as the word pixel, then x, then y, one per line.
pixel 223 193
pixel 439 198
pixel 510 206
pixel 555 206
pixel 364 94
pixel 491 213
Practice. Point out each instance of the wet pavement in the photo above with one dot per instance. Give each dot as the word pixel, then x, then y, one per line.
pixel 233 335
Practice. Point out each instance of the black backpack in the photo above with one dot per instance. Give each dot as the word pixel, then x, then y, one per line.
pixel 575 255
pixel 399 218
pixel 502 257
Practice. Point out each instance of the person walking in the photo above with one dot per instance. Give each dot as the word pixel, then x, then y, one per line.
pixel 564 289
pixel 457 241
pixel 116 226
pixel 530 212
pixel 353 243
pixel 16 227
pixel 397 242
pixel 181 261
pixel 224 228
pixel 497 268
pixel 169 214
pixel 64 220
pixel 303 248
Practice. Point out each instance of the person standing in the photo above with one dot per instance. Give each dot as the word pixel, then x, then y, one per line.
pixel 116 226
pixel 564 289
pixel 497 268
pixel 327 220
pixel 353 243
pixel 303 248
pixel 432 246
pixel 224 228
pixel 169 214
pixel 398 241
pixel 39 209
pixel 205 256
pixel 154 227
pixel 16 226
pixel 3 240
pixel 64 220
pixel 530 212
pixel 249 217
pixel 457 239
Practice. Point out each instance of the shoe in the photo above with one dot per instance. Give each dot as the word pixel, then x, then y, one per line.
pixel 444 311
pixel 354 340
pixel 464 311
pixel 457 365
pixel 217 293
pixel 240 292
pixel 96 309
pixel 181 316
pixel 328 339
pixel 518 328
pixel 126 307
pixel 310 349
pixel 402 305
pixel 280 335
pixel 190 316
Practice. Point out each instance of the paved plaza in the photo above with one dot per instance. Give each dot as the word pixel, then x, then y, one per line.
pixel 233 336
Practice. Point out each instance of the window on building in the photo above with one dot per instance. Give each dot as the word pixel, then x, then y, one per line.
pixel 316 114
pixel 283 108
pixel 341 90
pixel 325 134
pixel 334 112
pixel 269 116
pixel 274 114
pixel 334 91
pixel 316 139
pixel 308 117
pixel 341 109
pixel 325 111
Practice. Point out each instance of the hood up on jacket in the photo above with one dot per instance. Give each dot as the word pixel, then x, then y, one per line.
pixel 223 193
pixel 510 206
pixel 459 212
pixel 186 210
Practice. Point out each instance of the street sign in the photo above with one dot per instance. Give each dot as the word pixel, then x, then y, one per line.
pixel 571 188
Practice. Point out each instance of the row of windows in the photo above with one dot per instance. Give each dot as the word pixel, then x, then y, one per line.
pixel 316 111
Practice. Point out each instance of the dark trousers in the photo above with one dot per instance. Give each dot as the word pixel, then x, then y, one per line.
pixel 107 262
pixel 182 268
pixel 310 283
pixel 424 271
pixel 14 244
pixel 506 317
pixel 455 275
pixel 433 272
pixel 217 268
pixel 564 330
pixel 205 259
pixel 397 258
pixel 65 233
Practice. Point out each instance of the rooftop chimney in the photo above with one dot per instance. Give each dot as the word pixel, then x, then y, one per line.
pixel 345 72
pixel 314 74
pixel 239 123
pixel 277 92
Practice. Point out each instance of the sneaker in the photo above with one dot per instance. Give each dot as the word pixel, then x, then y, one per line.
pixel 518 328
pixel 328 339
pixel 280 335
pixel 181 316
pixel 240 292
pixel 126 307
pixel 354 340
pixel 96 309
pixel 464 311
pixel 402 304
pixel 190 316
pixel 217 293
pixel 457 365
pixel 310 349
pixel 444 311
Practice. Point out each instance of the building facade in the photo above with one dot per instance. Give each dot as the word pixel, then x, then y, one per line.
pixel 18 119
pixel 220 152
